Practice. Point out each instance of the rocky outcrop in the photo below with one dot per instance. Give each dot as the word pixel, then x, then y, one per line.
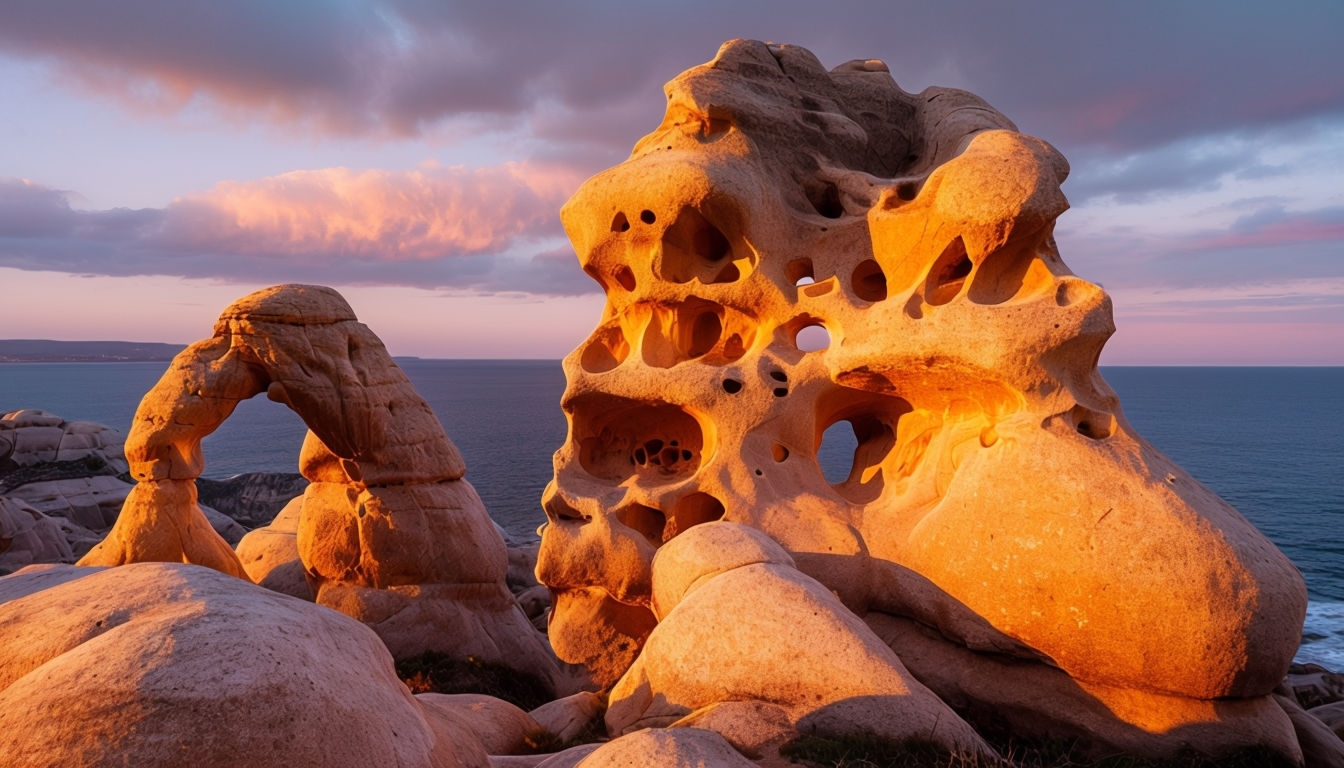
pixel 159 664
pixel 388 531
pixel 31 436
pixel 794 249
pixel 252 498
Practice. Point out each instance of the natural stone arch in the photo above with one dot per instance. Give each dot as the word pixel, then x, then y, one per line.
pixel 389 532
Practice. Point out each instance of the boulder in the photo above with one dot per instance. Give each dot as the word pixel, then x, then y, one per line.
pixel 161 664
pixel 270 554
pixel 737 622
pixel 795 250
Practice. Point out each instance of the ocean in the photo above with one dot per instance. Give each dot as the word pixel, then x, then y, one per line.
pixel 1269 440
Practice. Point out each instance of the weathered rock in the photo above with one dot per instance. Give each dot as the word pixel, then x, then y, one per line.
pixel 388 532
pixel 1332 715
pixel 32 436
pixel 737 622
pixel 567 718
pixel 252 498
pixel 794 248
pixel 159 664
pixel 498 726
pixel 667 748
pixel 1313 685
pixel 92 502
pixel 1039 701
pixel 270 555
pixel 1321 747
pixel 27 536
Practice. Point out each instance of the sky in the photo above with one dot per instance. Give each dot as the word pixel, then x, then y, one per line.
pixel 161 158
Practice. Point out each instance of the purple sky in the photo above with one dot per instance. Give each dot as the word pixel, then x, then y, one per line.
pixel 160 158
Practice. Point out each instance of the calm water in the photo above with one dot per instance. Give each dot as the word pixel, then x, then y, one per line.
pixel 1269 440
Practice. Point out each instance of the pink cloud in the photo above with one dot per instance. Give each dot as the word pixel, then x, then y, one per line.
pixel 382 215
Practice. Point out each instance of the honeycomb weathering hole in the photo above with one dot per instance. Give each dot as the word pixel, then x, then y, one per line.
pixel 812 338
pixel 948 274
pixel 692 247
pixel 620 223
pixel 870 284
pixel 625 277
pixel 799 272
pixel 648 521
pixel 604 351
pixel 691 510
pixel 835 454
pixel 1096 425
pixel 622 439
pixel 825 199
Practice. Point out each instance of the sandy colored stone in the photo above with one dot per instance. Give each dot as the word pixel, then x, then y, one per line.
pixel 387 530
pixel 1042 702
pixel 667 748
pixel 1332 715
pixel 270 555
pixel 793 249
pixel 568 717
pixel 742 624
pixel 91 502
pixel 160 664
pixel 499 727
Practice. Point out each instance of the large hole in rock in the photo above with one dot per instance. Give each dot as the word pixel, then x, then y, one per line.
pixel 691 510
pixel 948 274
pixel 692 329
pixel 619 439
pixel 870 284
pixel 648 521
pixel 856 436
pixel 606 349
pixel 692 247
pixel 824 198
pixel 1007 273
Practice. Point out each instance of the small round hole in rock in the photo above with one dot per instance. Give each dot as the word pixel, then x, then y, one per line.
pixel 732 386
pixel 812 338
pixel 620 223
pixel 647 216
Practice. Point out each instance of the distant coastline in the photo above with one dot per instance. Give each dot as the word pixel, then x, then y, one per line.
pixel 48 351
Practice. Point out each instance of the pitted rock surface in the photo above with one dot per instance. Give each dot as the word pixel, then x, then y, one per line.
pixel 794 248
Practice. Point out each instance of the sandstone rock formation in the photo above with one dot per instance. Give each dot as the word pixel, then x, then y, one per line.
pixel 746 641
pixel 389 532
pixel 794 248
pixel 33 436
pixel 159 664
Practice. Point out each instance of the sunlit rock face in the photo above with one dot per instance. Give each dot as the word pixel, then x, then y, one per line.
pixel 388 531
pixel 793 248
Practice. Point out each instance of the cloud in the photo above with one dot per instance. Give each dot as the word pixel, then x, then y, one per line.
pixel 488 229
pixel 1120 76
pixel 1275 226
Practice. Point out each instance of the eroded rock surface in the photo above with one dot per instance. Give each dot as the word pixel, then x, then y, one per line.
pixel 794 248
pixel 388 531
pixel 162 664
